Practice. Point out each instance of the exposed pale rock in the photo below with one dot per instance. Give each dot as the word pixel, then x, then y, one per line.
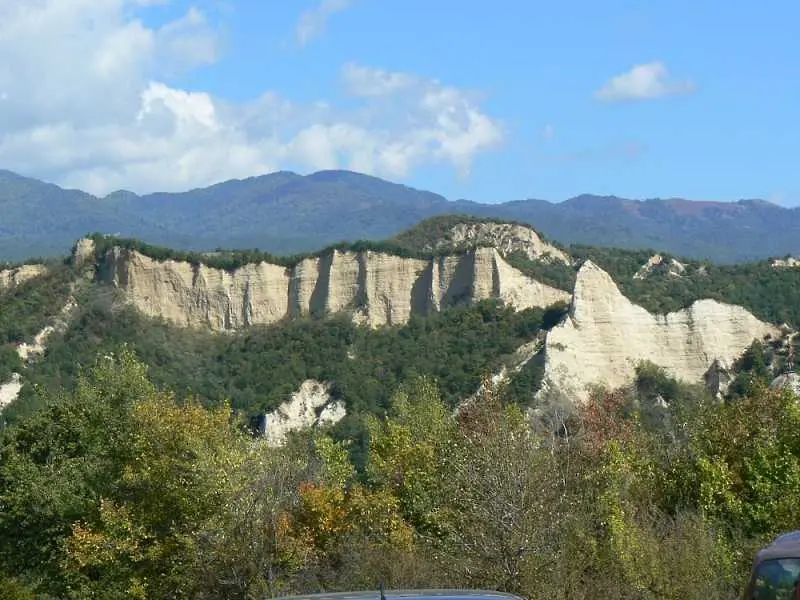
pixel 83 252
pixel 37 347
pixel 515 363
pixel 790 381
pixel 10 390
pixel 389 292
pixel 198 295
pixel 656 262
pixel 28 352
pixel 10 278
pixel 605 335
pixel 718 378
pixel 789 261
pixel 310 406
pixel 506 238
pixel 376 288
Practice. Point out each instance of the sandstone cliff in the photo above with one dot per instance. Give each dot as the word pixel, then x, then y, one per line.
pixel 376 288
pixel 605 335
pixel 10 278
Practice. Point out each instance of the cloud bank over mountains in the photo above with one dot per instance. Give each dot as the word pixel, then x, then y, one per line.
pixel 85 101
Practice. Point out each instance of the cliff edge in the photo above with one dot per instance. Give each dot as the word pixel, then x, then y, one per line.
pixel 376 288
pixel 605 335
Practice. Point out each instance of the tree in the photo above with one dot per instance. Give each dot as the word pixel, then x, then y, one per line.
pixel 183 467
pixel 56 464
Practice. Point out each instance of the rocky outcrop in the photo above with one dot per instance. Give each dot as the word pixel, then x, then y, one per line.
pixel 789 261
pixel 787 381
pixel 10 278
pixel 83 252
pixel 310 406
pixel 656 263
pixel 28 352
pixel 505 237
pixel 605 335
pixel 718 378
pixel 376 288
pixel 10 390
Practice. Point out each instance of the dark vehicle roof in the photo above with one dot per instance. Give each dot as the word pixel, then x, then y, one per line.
pixel 783 546
pixel 413 594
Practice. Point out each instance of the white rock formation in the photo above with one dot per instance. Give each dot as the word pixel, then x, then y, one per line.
pixel 673 267
pixel 506 237
pixel 310 406
pixel 10 278
pixel 83 252
pixel 10 390
pixel 377 288
pixel 790 381
pixel 605 335
pixel 789 261
pixel 29 352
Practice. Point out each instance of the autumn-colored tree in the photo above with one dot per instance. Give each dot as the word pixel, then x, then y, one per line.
pixel 408 453
pixel 184 465
pixel 55 465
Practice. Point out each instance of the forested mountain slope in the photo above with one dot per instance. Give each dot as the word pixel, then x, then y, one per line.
pixel 285 213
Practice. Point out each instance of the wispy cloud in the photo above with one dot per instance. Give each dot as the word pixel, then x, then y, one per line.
pixel 312 22
pixel 643 82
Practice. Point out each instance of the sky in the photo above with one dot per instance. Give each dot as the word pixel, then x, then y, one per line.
pixel 489 101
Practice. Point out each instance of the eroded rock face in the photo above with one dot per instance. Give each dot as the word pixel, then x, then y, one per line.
pixel 376 288
pixel 656 262
pixel 10 278
pixel 83 252
pixel 507 238
pixel 605 335
pixel 790 381
pixel 10 390
pixel 310 406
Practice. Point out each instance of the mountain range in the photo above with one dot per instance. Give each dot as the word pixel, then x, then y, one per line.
pixel 286 213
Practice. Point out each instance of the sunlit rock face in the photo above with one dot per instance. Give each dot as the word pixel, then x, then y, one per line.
pixel 605 335
pixel 375 288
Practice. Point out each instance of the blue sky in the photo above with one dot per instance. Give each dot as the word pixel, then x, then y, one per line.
pixel 487 101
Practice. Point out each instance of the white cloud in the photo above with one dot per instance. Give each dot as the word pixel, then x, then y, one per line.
pixel 85 103
pixel 643 82
pixel 312 22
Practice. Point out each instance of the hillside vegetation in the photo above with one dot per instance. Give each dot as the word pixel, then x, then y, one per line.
pixel 259 368
pixel 116 490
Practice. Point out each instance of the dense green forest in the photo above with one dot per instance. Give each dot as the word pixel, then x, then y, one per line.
pixel 115 490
